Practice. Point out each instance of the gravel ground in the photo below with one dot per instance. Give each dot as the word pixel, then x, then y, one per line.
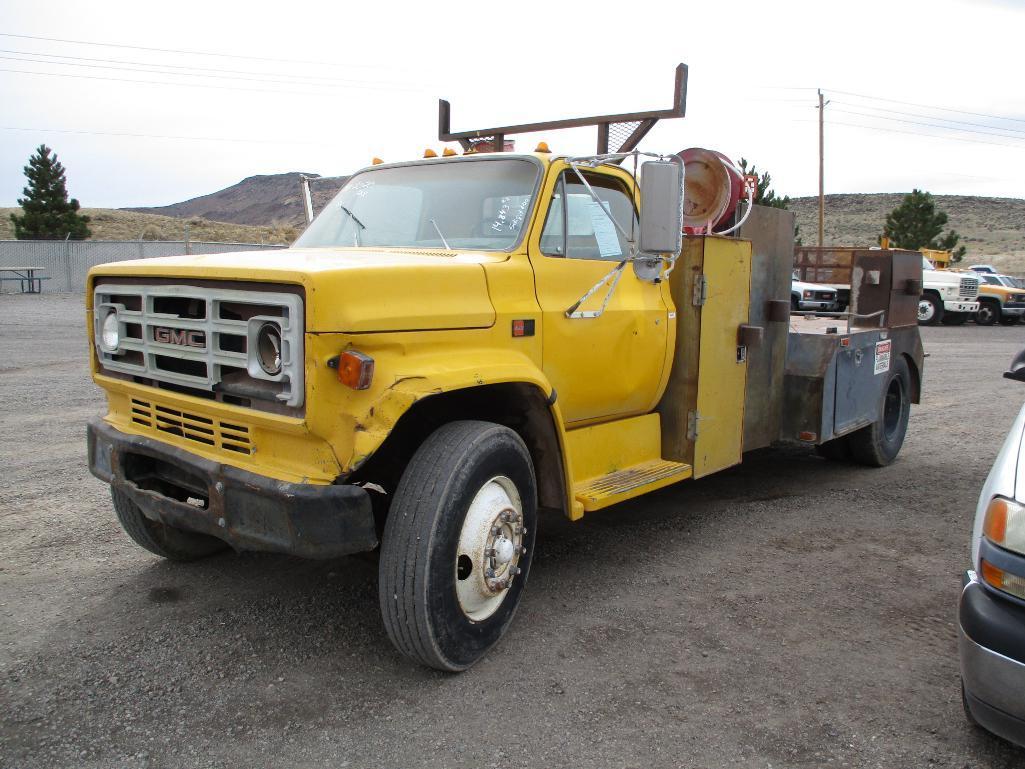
pixel 790 612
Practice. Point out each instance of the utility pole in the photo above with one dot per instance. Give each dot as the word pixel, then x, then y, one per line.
pixel 822 187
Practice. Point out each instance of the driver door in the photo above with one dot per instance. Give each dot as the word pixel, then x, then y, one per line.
pixel 613 365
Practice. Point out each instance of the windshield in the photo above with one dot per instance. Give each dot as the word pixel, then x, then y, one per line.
pixel 473 204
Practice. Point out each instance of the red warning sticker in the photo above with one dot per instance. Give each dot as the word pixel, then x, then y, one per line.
pixel 883 356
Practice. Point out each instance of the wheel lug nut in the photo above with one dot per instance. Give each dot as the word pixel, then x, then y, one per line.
pixel 496 530
pixel 490 573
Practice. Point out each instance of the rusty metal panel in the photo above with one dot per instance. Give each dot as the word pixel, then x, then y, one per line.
pixel 809 387
pixel 771 232
pixel 870 286
pixel 904 292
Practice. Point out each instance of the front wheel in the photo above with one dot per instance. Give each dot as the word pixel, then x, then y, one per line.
pixel 457 544
pixel 878 444
pixel 930 310
pixel 988 313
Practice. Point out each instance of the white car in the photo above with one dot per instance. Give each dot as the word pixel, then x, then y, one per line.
pixel 812 296
pixel 992 608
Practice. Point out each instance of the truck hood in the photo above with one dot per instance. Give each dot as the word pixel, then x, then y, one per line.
pixel 944 278
pixel 349 289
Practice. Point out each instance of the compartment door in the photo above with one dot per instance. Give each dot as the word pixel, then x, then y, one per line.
pixel 722 371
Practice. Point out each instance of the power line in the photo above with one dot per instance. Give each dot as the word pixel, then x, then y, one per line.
pixel 929 106
pixel 198 69
pixel 191 74
pixel 931 117
pixel 915 133
pixel 121 134
pixel 930 125
pixel 164 82
pixel 185 52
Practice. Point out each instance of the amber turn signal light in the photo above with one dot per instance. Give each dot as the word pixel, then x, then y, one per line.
pixel 448 152
pixel 355 369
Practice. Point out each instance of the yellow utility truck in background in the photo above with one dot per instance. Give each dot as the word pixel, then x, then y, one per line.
pixel 458 345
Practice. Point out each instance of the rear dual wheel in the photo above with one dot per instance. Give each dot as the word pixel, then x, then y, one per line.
pixel 457 544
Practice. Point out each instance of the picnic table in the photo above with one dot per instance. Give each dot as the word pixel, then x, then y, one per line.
pixel 31 283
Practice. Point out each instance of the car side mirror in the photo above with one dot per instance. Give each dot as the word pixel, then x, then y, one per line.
pixel 661 224
pixel 1017 369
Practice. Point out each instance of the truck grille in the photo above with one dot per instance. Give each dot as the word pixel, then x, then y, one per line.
pixel 202 340
pixel 194 427
pixel 969 288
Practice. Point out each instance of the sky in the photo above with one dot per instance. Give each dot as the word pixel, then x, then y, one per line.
pixel 150 104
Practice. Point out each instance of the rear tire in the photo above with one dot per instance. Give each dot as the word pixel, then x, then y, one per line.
pixel 988 313
pixel 457 544
pixel 878 444
pixel 930 310
pixel 158 538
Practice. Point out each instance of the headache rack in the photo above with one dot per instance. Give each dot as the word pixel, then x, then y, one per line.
pixel 616 133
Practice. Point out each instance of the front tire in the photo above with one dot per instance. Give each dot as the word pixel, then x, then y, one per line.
pixel 457 544
pixel 161 539
pixel 930 310
pixel 988 313
pixel 878 444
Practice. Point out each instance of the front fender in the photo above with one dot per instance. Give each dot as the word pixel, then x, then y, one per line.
pixel 356 423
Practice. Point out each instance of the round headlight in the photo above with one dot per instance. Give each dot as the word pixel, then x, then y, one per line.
pixel 110 336
pixel 268 348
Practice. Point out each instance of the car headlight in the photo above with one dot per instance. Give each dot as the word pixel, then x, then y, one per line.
pixel 268 348
pixel 110 332
pixel 808 294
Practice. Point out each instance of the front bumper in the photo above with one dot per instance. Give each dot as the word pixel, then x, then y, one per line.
pixel 992 648
pixel 1013 308
pixel 814 304
pixel 246 510
pixel 958 305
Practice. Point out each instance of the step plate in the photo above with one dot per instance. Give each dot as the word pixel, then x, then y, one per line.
pixel 605 490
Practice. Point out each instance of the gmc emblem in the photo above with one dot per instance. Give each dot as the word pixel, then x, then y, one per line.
pixel 179 336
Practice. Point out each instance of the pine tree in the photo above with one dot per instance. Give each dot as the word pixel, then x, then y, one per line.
pixel 766 196
pixel 47 212
pixel 916 224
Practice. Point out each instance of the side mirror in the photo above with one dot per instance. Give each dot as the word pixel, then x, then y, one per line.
pixel 661 225
pixel 1017 370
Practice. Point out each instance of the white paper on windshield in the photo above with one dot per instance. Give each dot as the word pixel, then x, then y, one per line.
pixel 604 230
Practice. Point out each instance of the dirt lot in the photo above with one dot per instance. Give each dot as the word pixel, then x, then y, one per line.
pixel 787 613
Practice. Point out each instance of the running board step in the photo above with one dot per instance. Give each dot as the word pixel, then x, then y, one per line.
pixel 619 485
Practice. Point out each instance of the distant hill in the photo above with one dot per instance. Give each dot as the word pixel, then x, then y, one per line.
pixel 993 229
pixel 114 224
pixel 270 199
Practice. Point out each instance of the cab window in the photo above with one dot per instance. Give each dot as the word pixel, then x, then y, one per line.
pixel 577 228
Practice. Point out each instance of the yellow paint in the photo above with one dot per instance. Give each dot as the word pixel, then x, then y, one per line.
pixel 721 378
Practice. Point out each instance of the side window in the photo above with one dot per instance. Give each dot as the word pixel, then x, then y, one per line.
pixel 577 228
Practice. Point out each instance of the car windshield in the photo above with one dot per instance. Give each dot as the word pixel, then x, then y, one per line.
pixel 1008 281
pixel 472 204
pixel 990 279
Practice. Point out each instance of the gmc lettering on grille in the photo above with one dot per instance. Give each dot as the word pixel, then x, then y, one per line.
pixel 179 336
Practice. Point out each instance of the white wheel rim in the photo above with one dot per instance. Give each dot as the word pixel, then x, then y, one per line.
pixel 489 550
pixel 925 310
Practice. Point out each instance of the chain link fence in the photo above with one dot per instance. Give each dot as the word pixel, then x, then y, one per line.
pixel 64 263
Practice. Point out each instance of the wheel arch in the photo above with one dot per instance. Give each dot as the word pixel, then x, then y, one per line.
pixel 522 406
pixel 916 378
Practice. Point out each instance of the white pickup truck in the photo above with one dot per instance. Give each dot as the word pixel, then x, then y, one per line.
pixel 950 297
pixel 812 296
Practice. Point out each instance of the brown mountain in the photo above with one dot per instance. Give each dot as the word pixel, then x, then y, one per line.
pixel 269 199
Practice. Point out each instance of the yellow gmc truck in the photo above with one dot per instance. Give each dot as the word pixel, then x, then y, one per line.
pixel 459 345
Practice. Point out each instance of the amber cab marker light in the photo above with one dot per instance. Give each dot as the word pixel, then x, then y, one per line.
pixel 355 369
pixel 376 161
pixel 429 153
pixel 448 152
pixel 542 147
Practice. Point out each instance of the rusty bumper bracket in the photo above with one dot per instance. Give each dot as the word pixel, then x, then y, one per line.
pixel 246 510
